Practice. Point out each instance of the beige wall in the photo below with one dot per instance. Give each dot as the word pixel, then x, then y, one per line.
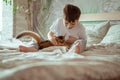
pixel 20 16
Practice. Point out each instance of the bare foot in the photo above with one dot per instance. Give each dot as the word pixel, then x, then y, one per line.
pixel 27 49
pixel 77 48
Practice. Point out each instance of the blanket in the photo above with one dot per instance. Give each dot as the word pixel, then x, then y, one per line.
pixel 98 62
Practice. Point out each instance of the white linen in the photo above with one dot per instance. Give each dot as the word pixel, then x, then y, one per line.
pixel 113 35
pixel 96 32
pixel 99 62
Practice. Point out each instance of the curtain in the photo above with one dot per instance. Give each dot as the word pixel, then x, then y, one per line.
pixel 40 9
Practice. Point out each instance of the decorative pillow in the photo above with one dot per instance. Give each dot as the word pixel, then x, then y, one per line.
pixel 113 35
pixel 96 33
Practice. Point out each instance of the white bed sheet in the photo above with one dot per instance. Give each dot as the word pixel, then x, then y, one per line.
pixel 99 62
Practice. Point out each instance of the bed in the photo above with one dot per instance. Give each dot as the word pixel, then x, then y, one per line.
pixel 100 61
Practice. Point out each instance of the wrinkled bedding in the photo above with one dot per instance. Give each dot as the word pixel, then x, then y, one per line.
pixel 98 62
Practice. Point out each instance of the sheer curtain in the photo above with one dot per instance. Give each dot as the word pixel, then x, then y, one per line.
pixel 40 9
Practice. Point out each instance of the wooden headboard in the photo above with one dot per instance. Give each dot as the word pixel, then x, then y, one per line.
pixel 100 16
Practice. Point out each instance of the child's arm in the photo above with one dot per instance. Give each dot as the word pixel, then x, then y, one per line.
pixel 71 39
pixel 51 37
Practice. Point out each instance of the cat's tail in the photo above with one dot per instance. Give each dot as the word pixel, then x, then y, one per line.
pixel 32 34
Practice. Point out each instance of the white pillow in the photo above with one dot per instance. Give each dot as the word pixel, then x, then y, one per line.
pixel 113 35
pixel 96 33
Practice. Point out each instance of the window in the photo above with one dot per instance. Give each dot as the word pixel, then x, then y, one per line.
pixel 7 20
pixel 0 15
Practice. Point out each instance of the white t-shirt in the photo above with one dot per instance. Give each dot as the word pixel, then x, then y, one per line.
pixel 59 29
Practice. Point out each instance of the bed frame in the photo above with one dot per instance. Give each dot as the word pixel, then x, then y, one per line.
pixel 100 16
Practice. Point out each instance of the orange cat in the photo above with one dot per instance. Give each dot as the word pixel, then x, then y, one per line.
pixel 46 43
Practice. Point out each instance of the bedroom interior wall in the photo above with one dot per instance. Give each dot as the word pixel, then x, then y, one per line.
pixel 54 10
pixel 20 16
pixel 20 21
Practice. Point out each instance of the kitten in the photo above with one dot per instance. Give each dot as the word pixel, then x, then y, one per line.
pixel 60 40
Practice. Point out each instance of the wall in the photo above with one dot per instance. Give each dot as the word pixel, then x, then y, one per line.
pixel 20 19
pixel 36 7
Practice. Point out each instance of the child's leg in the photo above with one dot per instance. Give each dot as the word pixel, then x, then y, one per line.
pixel 27 49
pixel 78 47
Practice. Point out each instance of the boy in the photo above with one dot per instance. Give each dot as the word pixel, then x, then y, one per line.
pixel 69 26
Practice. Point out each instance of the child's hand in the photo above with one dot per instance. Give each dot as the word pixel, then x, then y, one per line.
pixel 71 39
pixel 51 37
pixel 53 40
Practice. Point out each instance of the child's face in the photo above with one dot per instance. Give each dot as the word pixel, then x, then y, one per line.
pixel 70 25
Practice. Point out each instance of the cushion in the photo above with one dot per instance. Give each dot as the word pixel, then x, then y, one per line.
pixel 113 35
pixel 97 32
